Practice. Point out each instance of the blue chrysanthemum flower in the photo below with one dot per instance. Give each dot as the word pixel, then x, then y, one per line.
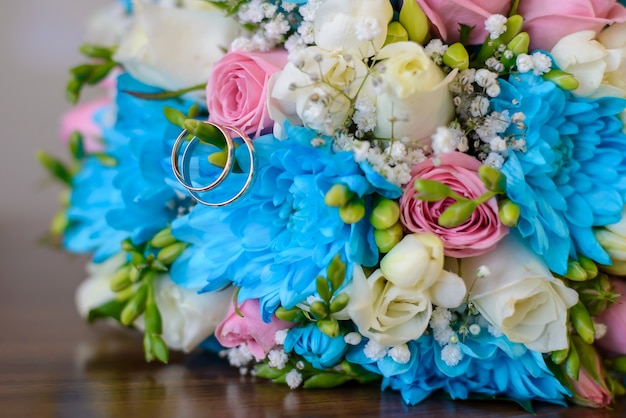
pixel 570 177
pixel 316 347
pixel 276 240
pixel 490 366
pixel 137 196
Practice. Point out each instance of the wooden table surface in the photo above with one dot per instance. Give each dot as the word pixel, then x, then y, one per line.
pixel 54 365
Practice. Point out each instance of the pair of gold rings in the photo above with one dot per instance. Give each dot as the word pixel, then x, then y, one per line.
pixel 181 168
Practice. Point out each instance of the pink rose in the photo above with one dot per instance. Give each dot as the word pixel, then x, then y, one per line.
pixel 236 92
pixel 80 118
pixel 446 15
pixel 250 329
pixel 614 341
pixel 548 21
pixel 479 233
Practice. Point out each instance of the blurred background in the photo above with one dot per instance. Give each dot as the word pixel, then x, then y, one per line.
pixel 39 42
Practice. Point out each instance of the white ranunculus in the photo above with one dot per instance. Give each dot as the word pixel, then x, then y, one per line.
pixel 344 25
pixel 613 240
pixel 519 296
pixel 95 290
pixel 306 91
pixel 394 304
pixel 408 79
pixel 175 48
pixel 188 317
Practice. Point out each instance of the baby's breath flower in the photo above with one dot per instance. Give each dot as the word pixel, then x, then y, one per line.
pixel 293 379
pixel 367 29
pixel 400 354
pixel 353 338
pixel 277 358
pixel 374 351
pixel 451 354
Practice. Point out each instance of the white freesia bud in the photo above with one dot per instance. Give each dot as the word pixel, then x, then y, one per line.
pixel 394 304
pixel 520 297
pixel 188 317
pixel 338 25
pixel 410 79
pixel 174 48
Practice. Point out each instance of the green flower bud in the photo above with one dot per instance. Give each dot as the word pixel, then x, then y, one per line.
pixel 564 80
pixel 125 294
pixel 329 326
pixel 385 214
pixel 121 279
pixel 175 116
pixel 559 356
pixel 414 20
pixel 386 239
pixel 352 212
pixel 163 238
pixel 396 33
pixel 323 288
pixel 456 56
pixel 508 212
pixel 492 178
pixel 59 223
pixel 168 254
pixel 514 26
pixel 339 302
pixel 135 306
pixel 582 322
pixel 431 190
pixel 338 195
pixel 205 133
pixel 572 363
pixel 289 315
pixel 155 348
pixel 519 44
pixel 336 272
pixel 575 272
pixel 72 90
pixel 106 160
pixel 319 309
pixel 218 159
pixel 456 213
pixel 152 319
pixel 590 267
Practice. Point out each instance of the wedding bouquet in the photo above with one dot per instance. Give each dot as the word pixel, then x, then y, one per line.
pixel 425 193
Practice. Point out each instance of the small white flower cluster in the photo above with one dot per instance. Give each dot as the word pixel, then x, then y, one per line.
pixel 239 356
pixel 435 49
pixel 446 337
pixel 304 35
pixel 539 63
pixel 391 159
pixel 375 351
pixel 271 21
pixel 495 25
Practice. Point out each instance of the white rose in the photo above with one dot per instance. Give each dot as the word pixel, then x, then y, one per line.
pixel 339 24
pixel 394 304
pixel 519 296
pixel 174 48
pixel 613 240
pixel 188 317
pixel 413 99
pixel 307 91
pixel 95 290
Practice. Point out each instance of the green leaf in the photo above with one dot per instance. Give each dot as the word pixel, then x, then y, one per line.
pixel 165 95
pixel 325 380
pixel 96 51
pixel 110 309
pixel 464 33
pixel 76 145
pixel 99 72
pixel 55 167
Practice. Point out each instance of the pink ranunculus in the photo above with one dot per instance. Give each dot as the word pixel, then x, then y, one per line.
pixel 614 341
pixel 459 171
pixel 236 92
pixel 250 329
pixel 548 21
pixel 81 119
pixel 446 15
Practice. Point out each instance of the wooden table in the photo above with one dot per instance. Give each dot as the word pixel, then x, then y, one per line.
pixel 54 365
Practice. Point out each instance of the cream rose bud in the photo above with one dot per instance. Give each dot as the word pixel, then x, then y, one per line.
pixel 175 48
pixel 394 304
pixel 188 317
pixel 305 92
pixel 519 296
pixel 405 79
pixel 357 27
pixel 95 290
